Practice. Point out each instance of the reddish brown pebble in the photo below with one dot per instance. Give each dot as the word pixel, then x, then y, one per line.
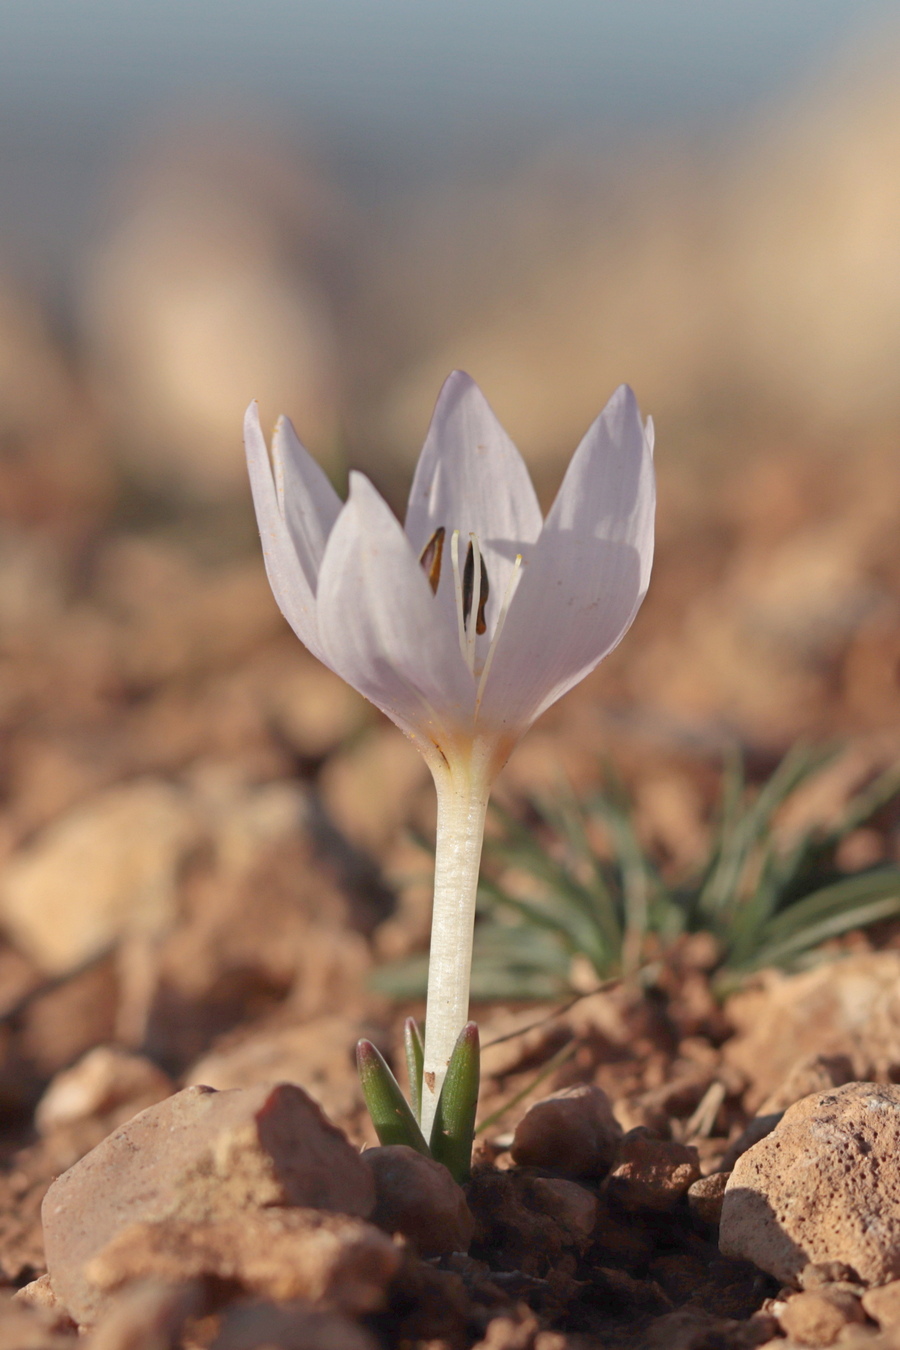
pixel 819 1316
pixel 823 1186
pixel 650 1173
pixel 197 1156
pixel 573 1132
pixel 417 1197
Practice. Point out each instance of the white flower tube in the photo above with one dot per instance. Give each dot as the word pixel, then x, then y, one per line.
pixel 467 623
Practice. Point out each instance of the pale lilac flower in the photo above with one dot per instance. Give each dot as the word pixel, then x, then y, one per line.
pixel 465 624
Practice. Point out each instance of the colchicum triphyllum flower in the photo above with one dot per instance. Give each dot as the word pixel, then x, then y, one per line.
pixel 465 624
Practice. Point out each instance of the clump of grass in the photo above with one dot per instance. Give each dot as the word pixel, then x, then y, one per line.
pixel 549 894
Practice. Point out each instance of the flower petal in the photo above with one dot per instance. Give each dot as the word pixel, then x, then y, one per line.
pixel 306 499
pixel 470 477
pixel 588 573
pixel 293 592
pixel 381 627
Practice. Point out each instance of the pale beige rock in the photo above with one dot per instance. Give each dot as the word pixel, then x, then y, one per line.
pixel 883 1304
pixel 651 1173
pixel 105 1080
pixel 819 1316
pixel 281 1254
pixel 107 868
pixel 823 1186
pixel 417 1197
pixel 199 1156
pixel 573 1132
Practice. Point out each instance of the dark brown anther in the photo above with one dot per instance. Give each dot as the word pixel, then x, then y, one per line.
pixel 430 558
pixel 468 587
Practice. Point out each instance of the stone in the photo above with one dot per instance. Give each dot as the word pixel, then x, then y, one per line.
pixel 650 1173
pixel 149 1315
pixel 320 1053
pixel 26 1328
pixel 849 1007
pixel 811 1073
pixel 291 1326
pixel 882 1304
pixel 199 1155
pixel 756 1129
pixel 705 1197
pixel 418 1197
pixel 574 1208
pixel 823 1186
pixel 279 1254
pixel 105 1081
pixel 108 867
pixel 819 1316
pixel 573 1132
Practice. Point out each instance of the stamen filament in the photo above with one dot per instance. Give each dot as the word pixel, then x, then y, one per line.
pixel 471 618
pixel 458 590
pixel 501 620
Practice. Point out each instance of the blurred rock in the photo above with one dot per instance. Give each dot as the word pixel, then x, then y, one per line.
pixel 288 1327
pixel 149 1315
pixel 319 1054
pixel 277 1254
pixel 198 1155
pixel 650 1173
pixel 848 1007
pixel 883 1304
pixel 417 1197
pixel 821 1187
pixel 820 1316
pixel 811 1073
pixel 573 1132
pixel 106 1082
pixel 24 1328
pixel 108 867
pixel 220 233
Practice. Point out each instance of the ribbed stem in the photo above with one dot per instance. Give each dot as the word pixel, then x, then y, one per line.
pixel 462 794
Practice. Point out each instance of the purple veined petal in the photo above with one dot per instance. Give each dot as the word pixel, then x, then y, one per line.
pixel 307 501
pixel 383 630
pixel 587 575
pixel 293 593
pixel 470 477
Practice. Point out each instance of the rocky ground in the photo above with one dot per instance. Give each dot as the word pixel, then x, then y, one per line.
pixel 207 847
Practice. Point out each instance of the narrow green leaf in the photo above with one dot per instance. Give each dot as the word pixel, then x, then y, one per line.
pixel 393 1120
pixel 415 1063
pixel 454 1121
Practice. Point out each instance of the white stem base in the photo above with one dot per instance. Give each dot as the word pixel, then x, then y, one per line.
pixel 462 794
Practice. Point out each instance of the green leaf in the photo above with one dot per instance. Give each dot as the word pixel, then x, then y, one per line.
pixel 415 1063
pixel 454 1121
pixel 391 1115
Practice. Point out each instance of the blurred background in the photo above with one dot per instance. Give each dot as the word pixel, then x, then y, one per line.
pixel 327 207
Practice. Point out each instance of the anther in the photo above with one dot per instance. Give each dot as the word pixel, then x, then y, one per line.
pixel 430 558
pixel 468 588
